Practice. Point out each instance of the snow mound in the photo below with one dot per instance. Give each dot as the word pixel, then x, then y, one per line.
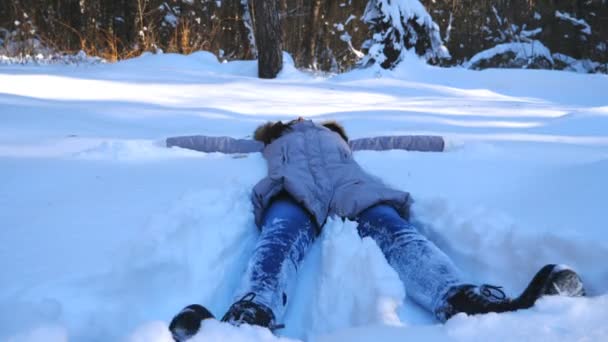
pixel 370 297
pixel 214 331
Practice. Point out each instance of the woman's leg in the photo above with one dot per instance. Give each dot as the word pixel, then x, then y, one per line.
pixel 427 273
pixel 287 233
pixel 432 280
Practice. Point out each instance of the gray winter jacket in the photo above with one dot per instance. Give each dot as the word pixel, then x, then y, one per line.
pixel 315 166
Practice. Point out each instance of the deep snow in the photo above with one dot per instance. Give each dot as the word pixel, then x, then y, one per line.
pixel 106 234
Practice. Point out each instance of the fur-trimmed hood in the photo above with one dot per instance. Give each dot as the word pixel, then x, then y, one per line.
pixel 270 131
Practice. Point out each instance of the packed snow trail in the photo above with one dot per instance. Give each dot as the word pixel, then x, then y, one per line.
pixel 107 234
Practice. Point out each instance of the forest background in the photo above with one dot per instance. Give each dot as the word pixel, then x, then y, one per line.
pixel 323 35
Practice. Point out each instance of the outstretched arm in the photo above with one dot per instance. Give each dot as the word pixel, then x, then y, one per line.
pixel 204 143
pixel 422 143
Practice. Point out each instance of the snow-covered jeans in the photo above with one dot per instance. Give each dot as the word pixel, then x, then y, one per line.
pixel 288 231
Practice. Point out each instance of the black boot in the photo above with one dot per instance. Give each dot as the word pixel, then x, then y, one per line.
pixel 246 311
pixel 551 280
pixel 471 299
pixel 188 321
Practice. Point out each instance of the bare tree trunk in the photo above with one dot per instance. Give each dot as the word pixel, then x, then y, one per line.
pixel 310 40
pixel 268 32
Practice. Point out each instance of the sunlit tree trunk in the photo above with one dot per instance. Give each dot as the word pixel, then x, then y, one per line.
pixel 267 27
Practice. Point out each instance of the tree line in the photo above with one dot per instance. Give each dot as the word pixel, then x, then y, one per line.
pixel 327 35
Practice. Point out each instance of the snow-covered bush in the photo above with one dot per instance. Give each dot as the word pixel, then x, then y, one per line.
pixel 55 58
pixel 530 55
pixel 14 49
pixel 22 39
pixel 24 45
pixel 398 26
pixel 17 47
pixel 523 45
pixel 565 62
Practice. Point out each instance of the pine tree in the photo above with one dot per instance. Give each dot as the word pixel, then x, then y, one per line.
pixel 398 26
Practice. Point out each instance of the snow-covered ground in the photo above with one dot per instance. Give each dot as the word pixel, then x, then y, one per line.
pixel 105 234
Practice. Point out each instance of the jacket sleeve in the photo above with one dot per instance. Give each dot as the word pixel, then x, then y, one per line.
pixel 422 143
pixel 203 143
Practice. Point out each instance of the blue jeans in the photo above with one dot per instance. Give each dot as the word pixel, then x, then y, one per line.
pixel 288 231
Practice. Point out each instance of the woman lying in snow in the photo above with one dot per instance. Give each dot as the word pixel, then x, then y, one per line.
pixel 312 175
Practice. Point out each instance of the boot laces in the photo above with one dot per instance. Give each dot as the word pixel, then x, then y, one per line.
pixel 492 292
pixel 248 298
pixel 486 295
